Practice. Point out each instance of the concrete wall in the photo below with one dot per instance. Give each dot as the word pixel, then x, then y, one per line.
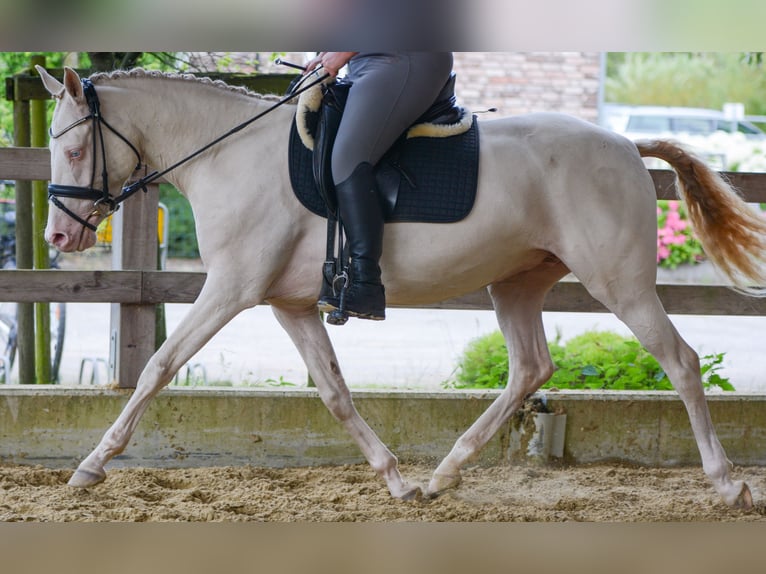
pixel 56 427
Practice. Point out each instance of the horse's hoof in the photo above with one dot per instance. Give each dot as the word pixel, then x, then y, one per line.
pixel 745 499
pixel 414 494
pixel 442 482
pixel 86 478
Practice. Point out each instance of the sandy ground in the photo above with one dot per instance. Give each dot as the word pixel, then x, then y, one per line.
pixel 593 493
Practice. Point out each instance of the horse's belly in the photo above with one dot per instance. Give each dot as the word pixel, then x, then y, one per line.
pixel 433 263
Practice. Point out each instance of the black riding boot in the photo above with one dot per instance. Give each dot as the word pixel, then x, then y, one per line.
pixel 362 217
pixel 329 296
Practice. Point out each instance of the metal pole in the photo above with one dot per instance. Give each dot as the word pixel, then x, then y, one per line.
pixel 39 247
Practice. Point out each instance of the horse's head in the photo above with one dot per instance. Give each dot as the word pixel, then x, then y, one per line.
pixel 80 177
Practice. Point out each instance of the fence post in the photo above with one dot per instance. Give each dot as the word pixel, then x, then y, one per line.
pixel 133 326
pixel 39 247
pixel 25 312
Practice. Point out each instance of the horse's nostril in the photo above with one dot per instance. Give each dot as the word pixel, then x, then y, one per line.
pixel 57 239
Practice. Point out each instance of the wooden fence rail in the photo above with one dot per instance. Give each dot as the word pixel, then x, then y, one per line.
pixel 34 164
pixel 134 287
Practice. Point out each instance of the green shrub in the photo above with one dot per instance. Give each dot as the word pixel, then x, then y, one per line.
pixel 182 235
pixel 484 364
pixel 593 360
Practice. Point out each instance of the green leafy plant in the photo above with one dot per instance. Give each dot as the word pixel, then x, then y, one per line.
pixel 692 79
pixel 182 242
pixel 484 363
pixel 281 382
pixel 593 360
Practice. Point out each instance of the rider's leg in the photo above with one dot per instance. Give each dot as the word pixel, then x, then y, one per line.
pixel 389 92
pixel 362 217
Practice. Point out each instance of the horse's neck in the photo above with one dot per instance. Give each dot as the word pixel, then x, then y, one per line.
pixel 175 118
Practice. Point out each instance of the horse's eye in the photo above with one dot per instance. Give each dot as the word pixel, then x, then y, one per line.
pixel 75 154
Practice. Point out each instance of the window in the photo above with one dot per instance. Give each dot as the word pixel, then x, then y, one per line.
pixel 648 124
pixel 693 125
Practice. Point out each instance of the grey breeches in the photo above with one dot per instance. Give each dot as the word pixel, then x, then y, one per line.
pixel 389 92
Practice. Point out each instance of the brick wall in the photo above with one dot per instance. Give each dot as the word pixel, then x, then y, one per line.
pixel 523 82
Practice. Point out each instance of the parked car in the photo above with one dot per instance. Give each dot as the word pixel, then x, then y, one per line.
pixel 640 121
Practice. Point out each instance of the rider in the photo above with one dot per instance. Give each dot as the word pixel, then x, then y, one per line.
pixel 389 92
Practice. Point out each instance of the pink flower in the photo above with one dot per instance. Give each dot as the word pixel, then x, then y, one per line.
pixel 674 232
pixel 674 220
pixel 662 253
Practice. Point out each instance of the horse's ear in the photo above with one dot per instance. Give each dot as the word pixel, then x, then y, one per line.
pixel 51 84
pixel 72 83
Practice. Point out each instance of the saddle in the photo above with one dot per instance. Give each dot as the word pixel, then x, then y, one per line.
pixel 429 174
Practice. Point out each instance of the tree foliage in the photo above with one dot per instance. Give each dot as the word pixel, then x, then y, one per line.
pixel 12 63
pixel 689 79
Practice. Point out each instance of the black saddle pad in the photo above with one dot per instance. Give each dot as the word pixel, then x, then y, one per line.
pixel 430 179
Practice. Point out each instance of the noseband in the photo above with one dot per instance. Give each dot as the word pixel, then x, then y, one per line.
pixel 101 197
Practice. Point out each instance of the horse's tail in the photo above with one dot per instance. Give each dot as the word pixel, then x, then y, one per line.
pixel 732 233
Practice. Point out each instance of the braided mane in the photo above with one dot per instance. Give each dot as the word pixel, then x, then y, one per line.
pixel 174 76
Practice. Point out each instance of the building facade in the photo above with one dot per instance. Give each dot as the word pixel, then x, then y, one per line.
pixel 523 82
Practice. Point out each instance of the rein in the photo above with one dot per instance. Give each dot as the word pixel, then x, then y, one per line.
pixel 102 197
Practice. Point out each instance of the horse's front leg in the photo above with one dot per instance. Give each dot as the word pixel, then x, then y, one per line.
pixel 207 316
pixel 310 337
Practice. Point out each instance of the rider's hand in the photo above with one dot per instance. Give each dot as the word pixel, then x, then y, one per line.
pixel 332 62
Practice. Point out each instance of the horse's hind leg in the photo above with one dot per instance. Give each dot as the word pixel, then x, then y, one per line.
pixel 518 304
pixel 310 337
pixel 643 313
pixel 209 313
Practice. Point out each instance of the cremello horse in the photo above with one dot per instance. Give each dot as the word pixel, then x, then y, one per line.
pixel 555 195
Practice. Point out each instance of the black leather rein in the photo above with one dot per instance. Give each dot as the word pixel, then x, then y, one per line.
pixel 102 197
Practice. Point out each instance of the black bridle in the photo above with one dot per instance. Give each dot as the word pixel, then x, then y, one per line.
pixel 102 197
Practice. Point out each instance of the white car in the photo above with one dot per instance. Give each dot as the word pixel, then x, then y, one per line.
pixel 723 142
pixel 658 120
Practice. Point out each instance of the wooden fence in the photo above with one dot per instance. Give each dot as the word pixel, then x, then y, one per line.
pixel 134 287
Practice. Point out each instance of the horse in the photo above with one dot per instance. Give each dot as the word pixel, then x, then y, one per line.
pixel 555 195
